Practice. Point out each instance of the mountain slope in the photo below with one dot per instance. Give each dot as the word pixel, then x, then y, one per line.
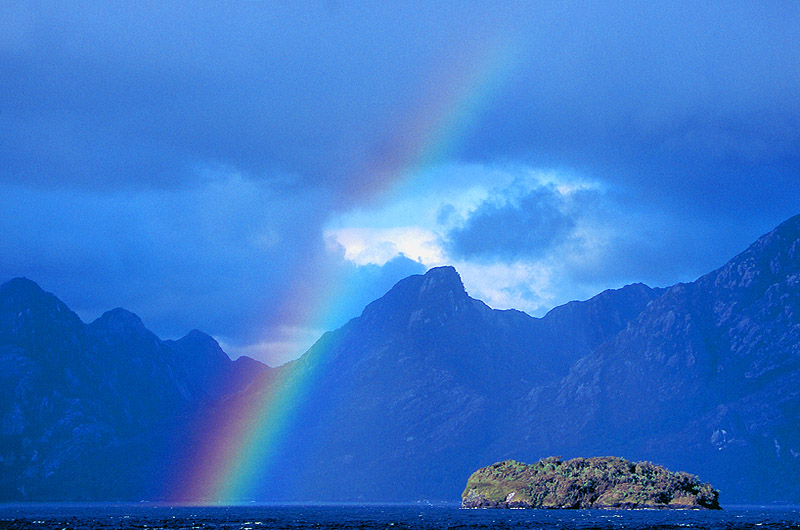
pixel 411 393
pixel 88 411
pixel 428 384
pixel 707 375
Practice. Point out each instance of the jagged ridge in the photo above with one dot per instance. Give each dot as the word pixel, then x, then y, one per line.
pixel 428 384
pixel 87 411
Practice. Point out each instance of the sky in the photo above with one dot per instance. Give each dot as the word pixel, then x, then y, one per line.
pixel 262 170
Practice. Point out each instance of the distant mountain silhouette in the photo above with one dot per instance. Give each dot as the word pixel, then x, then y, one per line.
pixel 86 410
pixel 426 386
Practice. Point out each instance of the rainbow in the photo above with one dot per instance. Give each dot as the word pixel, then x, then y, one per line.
pixel 240 439
pixel 448 109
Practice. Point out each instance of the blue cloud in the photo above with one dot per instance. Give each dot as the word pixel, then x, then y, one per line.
pixel 115 121
pixel 519 227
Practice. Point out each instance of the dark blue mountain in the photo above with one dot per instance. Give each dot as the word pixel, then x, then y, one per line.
pixel 412 393
pixel 426 386
pixel 87 411
pixel 707 377
pixel 429 384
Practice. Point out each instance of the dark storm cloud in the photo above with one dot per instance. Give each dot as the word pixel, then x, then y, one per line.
pixel 218 257
pixel 214 257
pixel 676 104
pixel 119 120
pixel 108 96
pixel 512 228
pixel 657 98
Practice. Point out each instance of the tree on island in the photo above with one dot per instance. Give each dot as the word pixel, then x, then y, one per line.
pixel 601 482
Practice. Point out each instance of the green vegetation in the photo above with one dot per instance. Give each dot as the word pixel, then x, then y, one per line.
pixel 603 482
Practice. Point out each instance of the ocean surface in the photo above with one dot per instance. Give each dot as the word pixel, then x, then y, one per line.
pixel 385 517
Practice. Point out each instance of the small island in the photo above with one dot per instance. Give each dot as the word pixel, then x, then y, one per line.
pixel 600 483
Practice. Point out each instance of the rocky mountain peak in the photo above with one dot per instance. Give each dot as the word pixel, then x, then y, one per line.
pixel 197 344
pixel 29 314
pixel 442 285
pixel 21 286
pixel 121 317
pixel 445 277
pixel 197 337
pixel 23 294
pixel 439 294
pixel 773 258
pixel 119 324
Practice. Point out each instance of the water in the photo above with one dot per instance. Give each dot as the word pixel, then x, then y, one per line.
pixel 384 517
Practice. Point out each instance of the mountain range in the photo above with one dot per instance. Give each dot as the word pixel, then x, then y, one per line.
pixel 424 387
